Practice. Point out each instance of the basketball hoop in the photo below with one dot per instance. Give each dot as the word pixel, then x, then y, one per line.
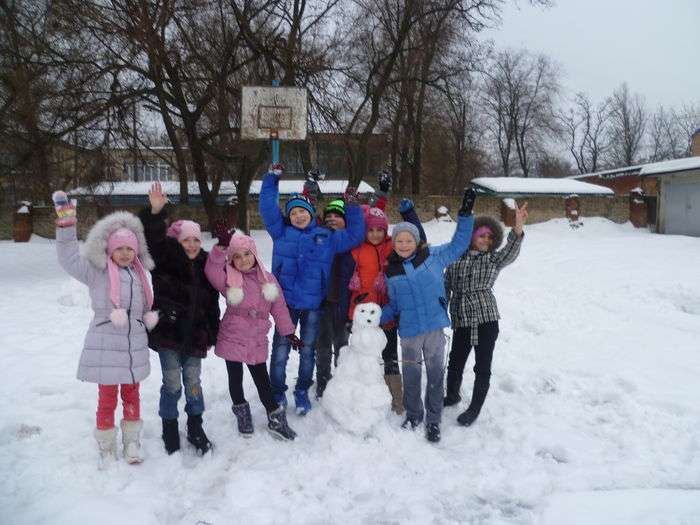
pixel 273 113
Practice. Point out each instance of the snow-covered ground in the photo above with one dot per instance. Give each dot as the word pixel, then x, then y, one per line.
pixel 593 416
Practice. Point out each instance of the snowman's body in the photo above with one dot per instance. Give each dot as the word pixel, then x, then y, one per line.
pixel 357 398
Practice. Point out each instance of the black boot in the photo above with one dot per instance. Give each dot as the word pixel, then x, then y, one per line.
pixel 410 423
pixel 278 426
pixel 171 435
pixel 196 435
pixel 454 382
pixel 432 432
pixel 244 419
pixel 468 417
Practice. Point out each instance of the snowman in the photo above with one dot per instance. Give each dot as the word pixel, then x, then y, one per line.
pixel 357 398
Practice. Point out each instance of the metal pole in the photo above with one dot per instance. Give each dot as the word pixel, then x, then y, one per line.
pixel 275 140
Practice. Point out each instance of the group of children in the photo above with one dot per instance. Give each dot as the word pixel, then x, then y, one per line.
pixel 320 272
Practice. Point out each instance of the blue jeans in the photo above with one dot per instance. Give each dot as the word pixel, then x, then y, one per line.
pixel 310 321
pixel 174 366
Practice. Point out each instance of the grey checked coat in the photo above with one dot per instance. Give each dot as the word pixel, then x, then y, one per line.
pixel 111 355
pixel 469 281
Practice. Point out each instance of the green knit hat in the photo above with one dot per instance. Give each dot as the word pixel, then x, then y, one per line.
pixel 337 206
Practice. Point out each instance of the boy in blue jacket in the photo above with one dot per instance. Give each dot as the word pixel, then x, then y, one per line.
pixel 302 254
pixel 417 301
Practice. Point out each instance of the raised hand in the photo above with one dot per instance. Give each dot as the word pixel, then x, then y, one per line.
pixel 295 341
pixel 351 196
pixel 405 205
pixel 277 169
pixel 65 209
pixel 384 180
pixel 157 197
pixel 467 202
pixel 520 218
pixel 223 233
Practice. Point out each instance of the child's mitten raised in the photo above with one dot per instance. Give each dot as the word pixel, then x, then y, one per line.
pixel 65 209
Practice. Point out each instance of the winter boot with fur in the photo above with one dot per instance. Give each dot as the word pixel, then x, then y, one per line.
pixel 196 435
pixel 277 425
pixel 107 446
pixel 454 383
pixel 171 435
pixel 244 418
pixel 393 382
pixel 131 440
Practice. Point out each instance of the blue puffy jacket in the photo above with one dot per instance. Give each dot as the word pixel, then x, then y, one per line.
pixel 301 259
pixel 416 285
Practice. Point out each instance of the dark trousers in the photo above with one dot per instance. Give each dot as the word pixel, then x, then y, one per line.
pixel 390 354
pixel 332 335
pixel 488 333
pixel 260 378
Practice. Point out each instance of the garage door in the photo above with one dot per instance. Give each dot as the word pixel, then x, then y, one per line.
pixel 682 207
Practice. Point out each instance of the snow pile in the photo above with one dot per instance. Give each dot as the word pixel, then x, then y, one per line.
pixel 592 414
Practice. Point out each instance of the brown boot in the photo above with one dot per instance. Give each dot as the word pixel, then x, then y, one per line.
pixel 393 381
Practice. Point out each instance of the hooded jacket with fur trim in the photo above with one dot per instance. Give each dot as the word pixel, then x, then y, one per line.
pixel 469 281
pixel 111 354
pixel 246 322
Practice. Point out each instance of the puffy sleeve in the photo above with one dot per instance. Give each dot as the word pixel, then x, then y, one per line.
pixel 69 256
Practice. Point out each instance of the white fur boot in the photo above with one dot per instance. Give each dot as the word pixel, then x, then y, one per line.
pixel 131 440
pixel 107 446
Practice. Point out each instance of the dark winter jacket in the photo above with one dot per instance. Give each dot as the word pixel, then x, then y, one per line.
pixel 469 281
pixel 338 291
pixel 416 285
pixel 302 258
pixel 187 303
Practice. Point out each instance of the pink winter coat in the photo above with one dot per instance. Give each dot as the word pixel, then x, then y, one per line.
pixel 244 327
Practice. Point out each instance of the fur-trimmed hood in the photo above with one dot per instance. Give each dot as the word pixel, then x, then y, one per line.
pixel 95 247
pixel 493 225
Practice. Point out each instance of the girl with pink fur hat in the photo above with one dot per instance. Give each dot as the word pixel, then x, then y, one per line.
pixel 252 295
pixel 114 264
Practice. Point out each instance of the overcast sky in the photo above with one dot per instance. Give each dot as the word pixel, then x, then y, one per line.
pixel 654 45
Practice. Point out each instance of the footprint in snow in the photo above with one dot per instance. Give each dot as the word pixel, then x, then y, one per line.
pixel 27 431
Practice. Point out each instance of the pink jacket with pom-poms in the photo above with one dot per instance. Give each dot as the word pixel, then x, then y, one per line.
pixel 245 325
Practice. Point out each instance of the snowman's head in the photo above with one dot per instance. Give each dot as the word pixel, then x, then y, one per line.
pixel 367 315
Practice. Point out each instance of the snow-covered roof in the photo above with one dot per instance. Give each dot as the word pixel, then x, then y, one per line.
pixel 671 166
pixel 286 187
pixel 529 186
pixel 665 167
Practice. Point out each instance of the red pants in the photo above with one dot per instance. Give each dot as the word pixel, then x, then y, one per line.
pixel 107 404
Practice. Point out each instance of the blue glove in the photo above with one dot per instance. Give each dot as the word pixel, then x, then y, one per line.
pixel 405 205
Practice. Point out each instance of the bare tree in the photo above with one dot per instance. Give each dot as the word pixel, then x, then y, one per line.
pixel 519 95
pixel 586 128
pixel 628 121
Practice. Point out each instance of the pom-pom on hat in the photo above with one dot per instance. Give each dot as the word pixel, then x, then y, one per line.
pixel 337 206
pixel 298 200
pixel 183 229
pixel 234 278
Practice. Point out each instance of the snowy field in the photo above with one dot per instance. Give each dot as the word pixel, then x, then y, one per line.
pixel 593 416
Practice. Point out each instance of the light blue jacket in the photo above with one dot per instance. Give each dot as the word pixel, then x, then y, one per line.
pixel 416 285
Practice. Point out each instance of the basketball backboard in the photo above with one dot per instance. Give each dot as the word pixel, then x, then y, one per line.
pixel 273 112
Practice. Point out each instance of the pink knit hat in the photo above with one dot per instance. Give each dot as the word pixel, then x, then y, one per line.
pixel 117 239
pixel 376 218
pixel 234 278
pixel 183 229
